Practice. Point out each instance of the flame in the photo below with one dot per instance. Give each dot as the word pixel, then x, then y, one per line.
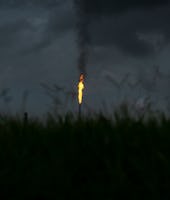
pixel 80 88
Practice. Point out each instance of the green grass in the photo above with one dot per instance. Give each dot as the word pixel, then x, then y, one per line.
pixel 88 158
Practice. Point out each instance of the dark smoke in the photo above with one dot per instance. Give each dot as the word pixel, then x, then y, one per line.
pixel 82 35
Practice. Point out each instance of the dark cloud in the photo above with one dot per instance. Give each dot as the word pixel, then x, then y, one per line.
pixel 109 7
pixel 47 4
pixel 59 22
pixel 133 27
pixel 34 24
pixel 130 26
pixel 136 33
pixel 10 31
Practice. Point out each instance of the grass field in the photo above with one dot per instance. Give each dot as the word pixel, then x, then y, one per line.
pixel 88 158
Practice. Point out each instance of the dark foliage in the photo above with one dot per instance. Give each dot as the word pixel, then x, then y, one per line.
pixel 94 158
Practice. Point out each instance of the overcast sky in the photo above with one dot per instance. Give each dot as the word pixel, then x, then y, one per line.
pixel 122 47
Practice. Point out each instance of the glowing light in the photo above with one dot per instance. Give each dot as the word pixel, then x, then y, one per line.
pixel 80 89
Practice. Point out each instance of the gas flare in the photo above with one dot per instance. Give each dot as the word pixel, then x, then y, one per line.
pixel 80 88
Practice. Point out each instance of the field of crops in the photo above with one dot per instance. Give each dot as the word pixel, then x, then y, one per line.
pixel 87 158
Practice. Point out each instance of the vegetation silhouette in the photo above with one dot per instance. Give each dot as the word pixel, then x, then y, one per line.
pixel 91 157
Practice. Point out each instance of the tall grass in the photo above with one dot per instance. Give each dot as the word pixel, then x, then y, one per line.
pixel 94 158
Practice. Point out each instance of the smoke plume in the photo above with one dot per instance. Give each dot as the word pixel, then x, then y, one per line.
pixel 82 35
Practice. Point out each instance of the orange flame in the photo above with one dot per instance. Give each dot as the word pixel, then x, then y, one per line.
pixel 80 88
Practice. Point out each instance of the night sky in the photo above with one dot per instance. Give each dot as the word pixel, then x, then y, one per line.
pixel 122 47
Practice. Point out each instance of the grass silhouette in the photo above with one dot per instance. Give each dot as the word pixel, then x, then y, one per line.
pixel 92 157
